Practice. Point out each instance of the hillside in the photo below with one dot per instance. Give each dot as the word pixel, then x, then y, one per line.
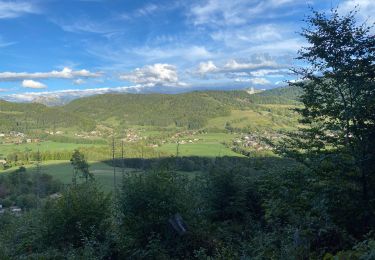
pixel 191 110
pixel 25 117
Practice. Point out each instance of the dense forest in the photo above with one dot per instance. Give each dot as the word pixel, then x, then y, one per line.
pixel 314 199
pixel 25 117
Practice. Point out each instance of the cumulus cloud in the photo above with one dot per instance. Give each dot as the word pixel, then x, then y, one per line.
pixel 65 73
pixel 29 83
pixel 13 9
pixel 207 67
pixel 154 75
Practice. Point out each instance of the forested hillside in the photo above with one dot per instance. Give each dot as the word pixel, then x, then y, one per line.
pixel 191 110
pixel 24 117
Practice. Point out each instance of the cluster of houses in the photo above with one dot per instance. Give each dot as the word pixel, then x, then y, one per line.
pixel 254 141
pixel 185 137
pixel 88 135
pixel 189 141
pixel 186 133
pixel 132 136
pixel 54 133
pixel 14 137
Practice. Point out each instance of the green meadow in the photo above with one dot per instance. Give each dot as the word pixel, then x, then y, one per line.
pixel 43 146
pixel 63 171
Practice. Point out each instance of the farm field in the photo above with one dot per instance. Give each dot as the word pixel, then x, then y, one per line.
pixel 63 170
pixel 44 146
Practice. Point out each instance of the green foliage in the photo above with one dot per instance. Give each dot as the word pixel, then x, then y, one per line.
pixel 146 203
pixel 233 196
pixel 80 214
pixel 26 117
pixel 21 187
pixel 73 226
pixel 364 250
pixel 289 95
pixel 337 140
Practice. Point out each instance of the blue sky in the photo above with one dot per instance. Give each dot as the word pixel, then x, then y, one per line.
pixel 93 46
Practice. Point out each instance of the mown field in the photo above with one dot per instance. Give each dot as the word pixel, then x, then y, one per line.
pixel 43 146
pixel 63 171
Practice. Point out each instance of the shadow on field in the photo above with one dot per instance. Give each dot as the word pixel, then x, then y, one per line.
pixel 203 164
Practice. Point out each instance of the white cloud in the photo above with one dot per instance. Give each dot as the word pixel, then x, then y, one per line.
pixel 366 9
pixel 233 65
pixel 65 73
pixel 149 9
pixel 146 10
pixel 70 94
pixel 13 9
pixel 29 83
pixel 154 75
pixel 260 81
pixel 207 67
pixel 256 70
pixel 84 25
pixel 78 82
pixel 236 12
pixel 192 52
pixel 3 89
pixel 286 46
pixel 250 34
pixel 259 66
pixel 4 43
pixel 255 81
pixel 269 72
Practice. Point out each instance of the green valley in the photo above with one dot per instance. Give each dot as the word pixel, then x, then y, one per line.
pixel 161 167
